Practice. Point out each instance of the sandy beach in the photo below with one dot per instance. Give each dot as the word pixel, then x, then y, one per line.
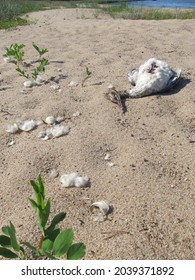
pixel 150 185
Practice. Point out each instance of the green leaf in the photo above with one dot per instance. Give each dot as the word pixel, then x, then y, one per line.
pixel 33 204
pixel 14 242
pixel 58 218
pixel 47 245
pixel 40 51
pixel 27 244
pixel 47 210
pixel 12 227
pixel 62 242
pixel 5 230
pixel 7 253
pixel 5 241
pixel 35 186
pixel 41 186
pixel 47 254
pixel 40 201
pixel 76 251
pixel 41 221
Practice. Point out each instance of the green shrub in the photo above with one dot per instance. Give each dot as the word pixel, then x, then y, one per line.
pixel 53 244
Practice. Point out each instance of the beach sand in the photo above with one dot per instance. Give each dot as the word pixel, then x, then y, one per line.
pixel 150 187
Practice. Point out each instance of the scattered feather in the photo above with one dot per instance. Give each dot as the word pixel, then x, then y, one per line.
pixel 74 180
pixel 54 132
pixel 26 125
pixel 12 128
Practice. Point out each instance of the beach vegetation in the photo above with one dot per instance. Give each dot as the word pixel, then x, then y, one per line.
pixel 143 13
pixel 15 54
pixel 12 11
pixel 53 243
pixel 87 75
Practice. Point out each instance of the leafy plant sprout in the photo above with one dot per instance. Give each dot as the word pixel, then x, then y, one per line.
pixel 88 75
pixel 53 243
pixel 15 55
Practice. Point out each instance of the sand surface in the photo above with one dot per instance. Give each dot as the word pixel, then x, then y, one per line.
pixel 151 185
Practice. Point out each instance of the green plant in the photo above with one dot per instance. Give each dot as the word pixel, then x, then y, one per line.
pixel 88 74
pixel 15 54
pixel 53 244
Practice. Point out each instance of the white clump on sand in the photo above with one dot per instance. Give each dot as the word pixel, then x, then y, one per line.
pixel 55 86
pixel 23 125
pixel 76 114
pixel 54 132
pixel 50 120
pixel 74 180
pixel 26 125
pixel 29 83
pixel 107 156
pixel 60 119
pixel 110 86
pixel 11 143
pixel 111 164
pixel 53 173
pixel 73 84
pixel 7 59
pixel 12 128
pixel 39 80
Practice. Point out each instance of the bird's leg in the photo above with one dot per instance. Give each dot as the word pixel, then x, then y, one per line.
pixel 116 97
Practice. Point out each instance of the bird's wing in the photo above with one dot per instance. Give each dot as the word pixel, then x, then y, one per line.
pixel 174 79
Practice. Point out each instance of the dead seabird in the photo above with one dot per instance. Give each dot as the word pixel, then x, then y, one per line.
pixel 154 76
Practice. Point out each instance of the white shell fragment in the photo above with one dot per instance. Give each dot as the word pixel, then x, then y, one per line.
pixel 60 119
pixel 11 142
pixel 110 86
pixel 26 125
pixel 54 132
pixel 111 164
pixel 50 120
pixel 107 157
pixel 73 84
pixel 55 86
pixel 74 180
pixel 39 80
pixel 39 122
pixel 76 114
pixel 104 209
pixel 29 83
pixel 12 128
pixel 53 173
pixel 7 59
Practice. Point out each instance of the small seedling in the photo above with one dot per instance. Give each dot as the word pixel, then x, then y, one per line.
pixel 15 54
pixel 53 244
pixel 88 74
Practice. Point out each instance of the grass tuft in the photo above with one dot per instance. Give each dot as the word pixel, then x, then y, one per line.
pixel 125 12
